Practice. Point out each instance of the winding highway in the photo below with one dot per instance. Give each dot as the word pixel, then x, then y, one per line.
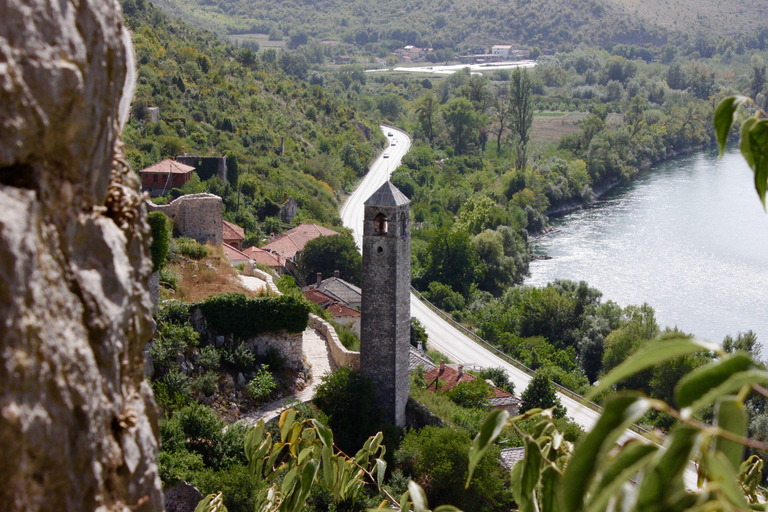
pixel 442 334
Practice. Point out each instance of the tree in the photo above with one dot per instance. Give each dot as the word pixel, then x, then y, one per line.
pixel 758 75
pixel 160 239
pixel 462 121
pixel 418 334
pixel 427 108
pixel 453 260
pixel 326 254
pixel 521 113
pixel 501 114
pixel 541 394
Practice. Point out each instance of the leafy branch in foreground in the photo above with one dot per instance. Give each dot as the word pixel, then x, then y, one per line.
pixel 754 137
pixel 645 471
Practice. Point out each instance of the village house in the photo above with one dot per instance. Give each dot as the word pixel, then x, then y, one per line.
pixel 341 313
pixel 233 235
pixel 290 244
pixel 445 378
pixel 158 179
pixel 261 257
pixel 339 290
pixel 234 255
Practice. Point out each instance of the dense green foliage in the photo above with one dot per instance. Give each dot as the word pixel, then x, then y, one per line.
pixel 327 254
pixel 158 225
pixel 541 394
pixel 237 315
pixel 216 100
pixel 436 458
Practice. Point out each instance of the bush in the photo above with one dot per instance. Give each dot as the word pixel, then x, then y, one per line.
pixel 240 357
pixel 473 394
pixel 169 278
pixel 170 341
pixel 173 389
pixel 191 249
pixel 173 311
pixel 262 385
pixel 207 383
pixel 236 314
pixel 274 359
pixel 210 358
pixel 160 239
pixel 437 457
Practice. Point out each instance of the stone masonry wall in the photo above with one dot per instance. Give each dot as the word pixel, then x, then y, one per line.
pixel 78 423
pixel 197 216
pixel 339 353
pixel 289 346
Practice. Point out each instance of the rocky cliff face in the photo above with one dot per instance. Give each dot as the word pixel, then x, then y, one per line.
pixel 77 422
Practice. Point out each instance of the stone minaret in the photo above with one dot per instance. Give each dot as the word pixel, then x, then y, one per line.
pixel 386 301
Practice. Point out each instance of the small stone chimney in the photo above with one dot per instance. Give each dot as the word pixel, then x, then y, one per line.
pixel 461 370
pixel 319 278
pixel 336 274
pixel 442 366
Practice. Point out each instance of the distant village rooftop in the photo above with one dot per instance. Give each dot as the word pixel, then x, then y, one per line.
pixel 290 243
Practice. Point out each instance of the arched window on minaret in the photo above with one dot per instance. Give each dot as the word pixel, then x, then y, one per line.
pixel 403 225
pixel 380 225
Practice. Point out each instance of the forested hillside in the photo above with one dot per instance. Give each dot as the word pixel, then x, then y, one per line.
pixel 430 23
pixel 217 100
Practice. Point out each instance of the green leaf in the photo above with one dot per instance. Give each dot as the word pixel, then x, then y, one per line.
pixel 651 355
pixel 551 480
pixel 286 422
pixel 725 115
pixel 418 498
pixel 719 470
pixel 531 468
pixel 489 431
pixel 621 471
pixel 329 471
pixel 212 503
pixel 731 416
pixel 253 439
pixel 730 386
pixel 758 143
pixel 664 476
pixel 325 433
pixel 447 508
pixel 620 411
pixel 381 470
pixel 704 378
pixel 634 451
pixel 745 144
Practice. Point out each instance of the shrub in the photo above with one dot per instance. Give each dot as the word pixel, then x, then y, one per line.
pixel 170 341
pixel 236 314
pixel 437 457
pixel 210 358
pixel 274 359
pixel 262 385
pixel 173 311
pixel 173 389
pixel 240 357
pixel 202 432
pixel 160 239
pixel 471 394
pixel 191 249
pixel 207 383
pixel 541 393
pixel 169 278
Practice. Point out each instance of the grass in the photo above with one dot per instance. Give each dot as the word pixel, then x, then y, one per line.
pixel 553 126
pixel 198 279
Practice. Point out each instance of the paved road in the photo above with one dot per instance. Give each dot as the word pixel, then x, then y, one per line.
pixel 442 334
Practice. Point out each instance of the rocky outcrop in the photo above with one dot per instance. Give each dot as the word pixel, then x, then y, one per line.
pixel 78 426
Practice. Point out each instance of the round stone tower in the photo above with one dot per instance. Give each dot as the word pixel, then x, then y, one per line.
pixel 386 307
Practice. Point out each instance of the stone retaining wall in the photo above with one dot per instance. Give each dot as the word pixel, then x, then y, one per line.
pixel 339 354
pixel 288 344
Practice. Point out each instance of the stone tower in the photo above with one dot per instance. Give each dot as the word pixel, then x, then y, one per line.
pixel 386 302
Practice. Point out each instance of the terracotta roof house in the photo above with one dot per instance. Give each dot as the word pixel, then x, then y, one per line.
pixel 233 235
pixel 266 258
pixel 341 291
pixel 317 297
pixel 450 377
pixel 346 316
pixel 159 178
pixel 291 243
pixel 235 256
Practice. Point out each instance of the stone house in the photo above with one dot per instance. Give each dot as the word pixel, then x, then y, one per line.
pixel 158 179
pixel 502 50
pixel 288 210
pixel 234 255
pixel 346 316
pixel 340 290
pixel 266 258
pixel 197 216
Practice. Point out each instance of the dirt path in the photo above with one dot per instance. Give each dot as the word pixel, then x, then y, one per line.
pixel 318 357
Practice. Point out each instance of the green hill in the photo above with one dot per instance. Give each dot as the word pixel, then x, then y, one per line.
pixel 217 100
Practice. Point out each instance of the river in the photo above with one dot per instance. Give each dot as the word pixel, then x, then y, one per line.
pixel 689 237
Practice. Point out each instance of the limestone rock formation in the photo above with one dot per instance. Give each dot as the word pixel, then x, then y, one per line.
pixel 77 422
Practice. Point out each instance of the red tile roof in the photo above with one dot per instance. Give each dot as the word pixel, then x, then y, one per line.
pixel 293 241
pixel 451 378
pixel 169 166
pixel 336 310
pixel 317 297
pixel 263 257
pixel 233 231
pixel 234 254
